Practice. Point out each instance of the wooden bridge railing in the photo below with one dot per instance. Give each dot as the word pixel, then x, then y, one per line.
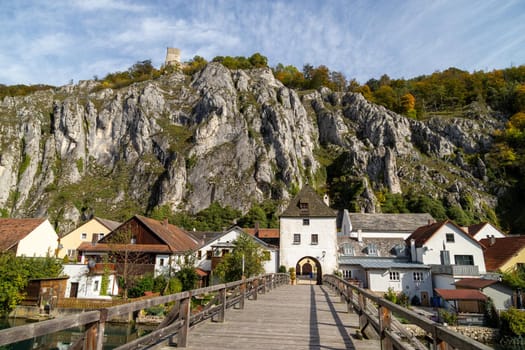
pixel 377 312
pixel 207 303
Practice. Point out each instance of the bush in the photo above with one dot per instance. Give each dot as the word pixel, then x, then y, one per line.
pixel 142 285
pixel 513 322
pixel 448 317
pixel 282 269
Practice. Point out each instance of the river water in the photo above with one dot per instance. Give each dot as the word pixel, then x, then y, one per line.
pixel 115 335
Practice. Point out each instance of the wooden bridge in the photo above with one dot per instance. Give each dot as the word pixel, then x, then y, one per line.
pixel 264 312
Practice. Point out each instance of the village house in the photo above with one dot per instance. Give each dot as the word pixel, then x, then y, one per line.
pixel 504 254
pixel 451 252
pixel 141 245
pixel 91 231
pixel 484 230
pixel 215 245
pixel 500 294
pixel 308 235
pixel 28 237
pixel 87 281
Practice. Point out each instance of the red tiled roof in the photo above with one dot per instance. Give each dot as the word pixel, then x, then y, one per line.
pixel 13 231
pixel 108 247
pixel 501 251
pixel 201 272
pixel 178 239
pixel 263 232
pixel 461 294
pixel 474 283
pixel 424 233
pixel 473 229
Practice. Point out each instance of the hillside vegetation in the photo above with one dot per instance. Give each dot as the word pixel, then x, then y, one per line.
pixel 166 153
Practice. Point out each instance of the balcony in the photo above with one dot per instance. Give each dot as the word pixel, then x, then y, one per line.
pixel 455 270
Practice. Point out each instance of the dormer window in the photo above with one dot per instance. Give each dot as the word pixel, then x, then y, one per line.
pixel 303 206
pixel 348 249
pixel 371 249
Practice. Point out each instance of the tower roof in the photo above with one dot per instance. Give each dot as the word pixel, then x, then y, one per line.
pixel 307 203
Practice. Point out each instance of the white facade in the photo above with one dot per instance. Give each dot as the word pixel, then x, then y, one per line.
pixel 40 242
pixel 324 250
pixel 500 294
pixel 226 240
pixel 89 286
pixel 463 249
pixel 410 282
pixel 488 231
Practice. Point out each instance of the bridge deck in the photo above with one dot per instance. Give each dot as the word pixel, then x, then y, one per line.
pixel 289 317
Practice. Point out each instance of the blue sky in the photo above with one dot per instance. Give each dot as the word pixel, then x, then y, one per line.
pixel 55 41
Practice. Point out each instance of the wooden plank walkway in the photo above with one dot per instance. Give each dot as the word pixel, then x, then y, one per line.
pixel 289 317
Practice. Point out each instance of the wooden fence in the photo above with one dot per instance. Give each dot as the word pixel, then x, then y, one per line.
pixel 377 312
pixel 209 302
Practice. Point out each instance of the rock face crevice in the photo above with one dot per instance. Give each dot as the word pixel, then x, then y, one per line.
pixel 232 136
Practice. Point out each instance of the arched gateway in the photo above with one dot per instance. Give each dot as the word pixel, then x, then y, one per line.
pixel 309 268
pixel 308 235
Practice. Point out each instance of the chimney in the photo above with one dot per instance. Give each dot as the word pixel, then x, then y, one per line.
pixel 326 200
pixel 430 222
pixel 359 235
pixel 165 222
pixel 256 233
pixel 94 239
pixel 492 240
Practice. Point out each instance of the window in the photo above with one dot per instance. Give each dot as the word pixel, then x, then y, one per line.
pixel 83 236
pixel 306 222
pixel 450 237
pixel 348 249
pixel 303 206
pixel 394 276
pixel 464 259
pixel 71 253
pixel 100 235
pixel 225 251
pixel 418 276
pixel 161 262
pixel 372 249
pixel 199 255
pixel 209 254
pixel 296 238
pixel 315 239
pixel 347 274
pixel 133 240
pixel 95 286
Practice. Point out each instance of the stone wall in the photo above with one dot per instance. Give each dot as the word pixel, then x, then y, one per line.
pixel 484 335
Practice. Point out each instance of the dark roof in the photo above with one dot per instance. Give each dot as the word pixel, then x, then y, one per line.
pixel 176 238
pixel 424 233
pixel 205 237
pixel 461 294
pixel 13 231
pixel 473 229
pixel 109 224
pixel 388 222
pixel 315 205
pixel 474 283
pixel 503 249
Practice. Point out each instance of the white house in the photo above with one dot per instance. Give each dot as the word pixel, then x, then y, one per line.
pixel 308 235
pixel 484 230
pixel 500 294
pixel 28 237
pixel 214 245
pixel 87 282
pixel 451 252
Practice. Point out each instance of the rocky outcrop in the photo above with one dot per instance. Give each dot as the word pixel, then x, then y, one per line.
pixel 236 137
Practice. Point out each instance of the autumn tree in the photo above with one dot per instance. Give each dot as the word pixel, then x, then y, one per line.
pixel 408 105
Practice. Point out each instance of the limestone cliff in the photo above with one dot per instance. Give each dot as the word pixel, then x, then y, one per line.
pixel 235 137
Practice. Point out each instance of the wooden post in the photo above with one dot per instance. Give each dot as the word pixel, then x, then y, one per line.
pixel 342 292
pixel 222 312
pixel 255 288
pixel 184 314
pixel 349 299
pixel 363 320
pixel 101 328
pixel 90 336
pixel 264 285
pixel 243 293
pixel 385 319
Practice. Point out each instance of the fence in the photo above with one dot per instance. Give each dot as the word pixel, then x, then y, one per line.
pixel 377 312
pixel 213 302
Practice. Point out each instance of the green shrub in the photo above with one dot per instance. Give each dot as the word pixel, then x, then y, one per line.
pixel 282 269
pixel 448 317
pixel 513 322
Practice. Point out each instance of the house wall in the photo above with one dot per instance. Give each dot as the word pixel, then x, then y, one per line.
pixel 380 282
pixel 510 264
pixel 291 253
pixel 42 241
pixel 500 294
pixel 463 245
pixel 443 281
pixel 79 273
pixel 488 230
pixel 73 239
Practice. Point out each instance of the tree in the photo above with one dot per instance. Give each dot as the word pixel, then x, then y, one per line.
pixel 408 104
pixel 245 249
pixel 187 274
pixel 258 61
